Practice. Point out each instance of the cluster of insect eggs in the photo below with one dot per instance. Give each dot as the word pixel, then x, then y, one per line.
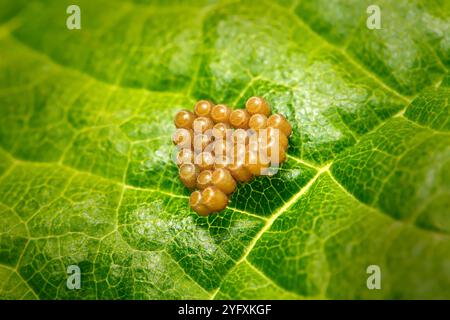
pixel 219 147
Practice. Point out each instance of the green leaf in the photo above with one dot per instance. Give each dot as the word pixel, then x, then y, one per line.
pixel 87 178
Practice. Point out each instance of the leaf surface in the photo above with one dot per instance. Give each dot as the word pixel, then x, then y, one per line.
pixel 87 178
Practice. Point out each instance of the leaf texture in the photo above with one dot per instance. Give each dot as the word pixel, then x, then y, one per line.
pixel 87 178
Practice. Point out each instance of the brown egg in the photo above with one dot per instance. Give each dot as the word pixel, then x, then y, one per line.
pixel 221 156
pixel 236 152
pixel 183 138
pixel 196 203
pixel 256 105
pixel 273 134
pixel 185 156
pixel 203 108
pixel 220 130
pixel 214 198
pixel 272 151
pixel 254 140
pixel 240 172
pixel 202 124
pixel 188 175
pixel 204 179
pixel 223 180
pixel 222 162
pixel 255 163
pixel 278 159
pixel 239 119
pixel 220 114
pixel 184 119
pixel 222 150
pixel 279 122
pixel 201 142
pixel 257 121
pixel 221 165
pixel 204 160
pixel 240 136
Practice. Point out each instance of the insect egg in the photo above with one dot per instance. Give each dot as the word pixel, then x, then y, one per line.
pixel 220 130
pixel 279 122
pixel 220 113
pixel 204 179
pixel 185 156
pixel 256 105
pixel 236 152
pixel 253 142
pixel 272 150
pixel 253 145
pixel 201 142
pixel 278 158
pixel 240 136
pixel 256 163
pixel 219 147
pixel 196 203
pixel 239 118
pixel 188 175
pixel 273 134
pixel 222 162
pixel 257 121
pixel 239 172
pixel 223 180
pixel 204 160
pixel 184 119
pixel 183 138
pixel 203 108
pixel 201 124
pixel 221 165
pixel 214 198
